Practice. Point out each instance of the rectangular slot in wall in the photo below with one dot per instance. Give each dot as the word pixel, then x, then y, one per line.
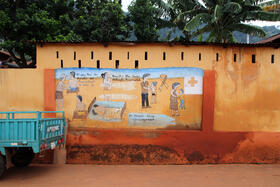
pixel 110 55
pixel 136 64
pixel 217 57
pixel 98 64
pixel 91 55
pixel 61 64
pixel 199 56
pixel 128 55
pixel 234 57
pixel 182 55
pixel 164 56
pixel 117 64
pixel 253 59
pixel 272 59
pixel 57 54
pixel 74 55
pixel 80 63
pixel 146 55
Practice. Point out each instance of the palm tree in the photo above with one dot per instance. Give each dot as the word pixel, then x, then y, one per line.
pixel 220 18
pixel 172 14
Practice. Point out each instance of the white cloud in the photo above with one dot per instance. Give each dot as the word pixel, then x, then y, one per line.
pixel 265 23
pixel 125 4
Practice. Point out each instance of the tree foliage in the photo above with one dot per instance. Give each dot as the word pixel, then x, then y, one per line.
pixel 221 18
pixel 146 18
pixel 178 13
pixel 25 21
pixel 100 20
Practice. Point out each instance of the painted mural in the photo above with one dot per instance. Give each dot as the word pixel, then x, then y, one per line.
pixel 153 98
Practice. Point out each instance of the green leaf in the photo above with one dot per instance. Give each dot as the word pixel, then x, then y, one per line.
pixel 197 21
pixel 249 29
pixel 264 16
pixel 200 38
pixel 233 7
pixel 218 12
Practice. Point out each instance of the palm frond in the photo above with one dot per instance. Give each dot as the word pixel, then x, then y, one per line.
pixel 233 7
pixel 205 29
pixel 263 16
pixel 189 13
pixel 218 12
pixel 197 21
pixel 212 37
pixel 249 29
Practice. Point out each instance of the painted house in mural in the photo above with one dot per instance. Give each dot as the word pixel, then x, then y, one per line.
pixel 156 103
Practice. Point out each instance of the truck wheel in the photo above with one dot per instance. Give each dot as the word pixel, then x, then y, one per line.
pixel 22 157
pixel 2 165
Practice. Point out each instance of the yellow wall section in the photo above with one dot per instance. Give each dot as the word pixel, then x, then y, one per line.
pixel 21 90
pixel 247 95
pixel 47 55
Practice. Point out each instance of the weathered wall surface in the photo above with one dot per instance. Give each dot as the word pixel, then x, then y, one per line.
pixel 247 94
pixel 174 147
pixel 126 147
pixel 240 124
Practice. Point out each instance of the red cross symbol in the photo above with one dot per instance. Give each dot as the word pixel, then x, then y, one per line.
pixel 192 82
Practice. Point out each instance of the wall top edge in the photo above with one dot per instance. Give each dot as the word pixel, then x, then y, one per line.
pixel 134 43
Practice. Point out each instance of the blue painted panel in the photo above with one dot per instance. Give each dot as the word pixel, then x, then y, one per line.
pixel 150 120
pixel 29 132
pixel 172 72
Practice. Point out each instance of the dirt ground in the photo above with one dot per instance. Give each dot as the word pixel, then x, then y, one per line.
pixel 60 175
pixel 149 175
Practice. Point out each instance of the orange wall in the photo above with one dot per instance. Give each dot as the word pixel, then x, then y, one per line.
pixel 21 89
pixel 247 95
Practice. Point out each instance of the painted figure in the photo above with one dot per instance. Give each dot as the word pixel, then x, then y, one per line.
pixel 59 93
pixel 73 83
pixel 145 91
pixel 107 80
pixel 154 92
pixel 98 110
pixel 173 99
pixel 182 99
pixel 80 110
pixel 80 106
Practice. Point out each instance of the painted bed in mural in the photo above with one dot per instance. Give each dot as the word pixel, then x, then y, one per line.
pixel 153 98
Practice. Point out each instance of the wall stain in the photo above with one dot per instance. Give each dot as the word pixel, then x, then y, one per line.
pixel 122 154
pixel 195 156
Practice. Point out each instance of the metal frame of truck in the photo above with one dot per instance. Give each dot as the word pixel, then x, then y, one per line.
pixel 20 138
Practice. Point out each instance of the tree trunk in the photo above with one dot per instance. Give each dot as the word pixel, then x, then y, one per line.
pixel 23 60
pixel 17 60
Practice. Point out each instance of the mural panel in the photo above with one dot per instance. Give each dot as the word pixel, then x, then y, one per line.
pixel 153 98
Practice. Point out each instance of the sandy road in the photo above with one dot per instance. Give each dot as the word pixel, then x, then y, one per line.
pixel 149 175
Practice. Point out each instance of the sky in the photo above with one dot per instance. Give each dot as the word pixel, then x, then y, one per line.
pixel 126 3
pixel 129 73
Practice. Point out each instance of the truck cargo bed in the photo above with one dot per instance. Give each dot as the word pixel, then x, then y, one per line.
pixel 31 129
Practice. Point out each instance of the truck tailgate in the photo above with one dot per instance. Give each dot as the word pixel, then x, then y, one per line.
pixel 38 132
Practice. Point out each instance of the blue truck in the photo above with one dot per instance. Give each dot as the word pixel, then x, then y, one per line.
pixel 23 134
